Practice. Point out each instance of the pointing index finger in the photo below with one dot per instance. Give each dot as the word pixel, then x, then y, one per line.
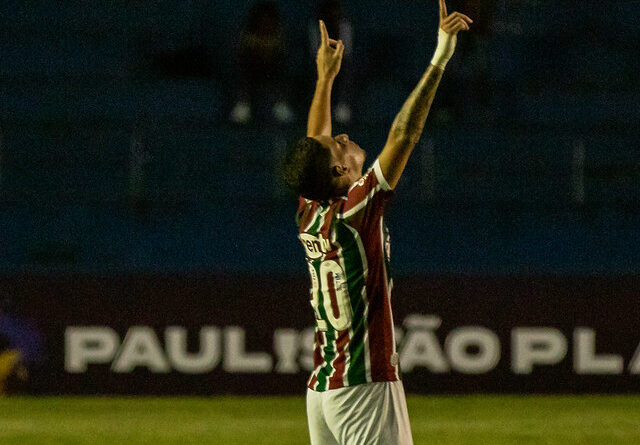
pixel 443 10
pixel 324 35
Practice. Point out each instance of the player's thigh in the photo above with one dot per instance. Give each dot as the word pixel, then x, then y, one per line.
pixel 369 414
pixel 319 431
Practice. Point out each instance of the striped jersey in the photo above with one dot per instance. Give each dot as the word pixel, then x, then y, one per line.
pixel 347 249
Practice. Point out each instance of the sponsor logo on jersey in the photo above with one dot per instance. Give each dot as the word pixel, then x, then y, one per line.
pixel 360 182
pixel 316 246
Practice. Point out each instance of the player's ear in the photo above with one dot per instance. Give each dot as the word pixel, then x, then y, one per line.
pixel 339 170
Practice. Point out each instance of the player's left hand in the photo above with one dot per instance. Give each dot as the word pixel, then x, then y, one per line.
pixel 329 58
pixel 454 22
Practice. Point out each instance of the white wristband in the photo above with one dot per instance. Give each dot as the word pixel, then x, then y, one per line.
pixel 444 50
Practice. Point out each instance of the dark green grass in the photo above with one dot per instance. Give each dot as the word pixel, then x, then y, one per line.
pixel 243 421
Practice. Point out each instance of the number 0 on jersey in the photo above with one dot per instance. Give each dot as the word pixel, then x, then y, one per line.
pixel 332 285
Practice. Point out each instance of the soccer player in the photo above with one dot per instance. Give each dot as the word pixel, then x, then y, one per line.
pixel 354 394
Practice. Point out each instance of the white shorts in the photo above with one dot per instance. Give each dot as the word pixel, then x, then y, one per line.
pixel 367 414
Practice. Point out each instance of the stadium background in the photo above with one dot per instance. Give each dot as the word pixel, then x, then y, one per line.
pixel 128 199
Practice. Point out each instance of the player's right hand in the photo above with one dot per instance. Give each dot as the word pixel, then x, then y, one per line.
pixel 329 57
pixel 454 22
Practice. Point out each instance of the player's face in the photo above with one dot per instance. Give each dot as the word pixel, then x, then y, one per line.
pixel 345 152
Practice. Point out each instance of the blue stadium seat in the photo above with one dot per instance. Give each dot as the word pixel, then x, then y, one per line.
pixel 66 162
pixel 381 100
pixel 185 99
pixel 571 110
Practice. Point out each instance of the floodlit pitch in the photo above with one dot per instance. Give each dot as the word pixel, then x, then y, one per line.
pixel 497 420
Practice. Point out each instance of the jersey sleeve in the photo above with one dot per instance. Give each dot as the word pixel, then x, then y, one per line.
pixel 367 197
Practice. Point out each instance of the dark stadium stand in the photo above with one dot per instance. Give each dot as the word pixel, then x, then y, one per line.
pixel 80 86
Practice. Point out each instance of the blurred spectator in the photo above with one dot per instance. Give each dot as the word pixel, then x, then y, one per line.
pixel 468 88
pixel 139 158
pixel 339 28
pixel 262 55
pixel 477 77
pixel 482 13
pixel 169 41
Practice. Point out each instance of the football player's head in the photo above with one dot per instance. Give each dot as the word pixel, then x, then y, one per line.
pixel 323 167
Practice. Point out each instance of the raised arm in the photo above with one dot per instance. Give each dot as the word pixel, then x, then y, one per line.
pixel 329 60
pixel 409 123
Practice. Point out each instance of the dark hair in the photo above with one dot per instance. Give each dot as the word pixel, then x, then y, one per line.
pixel 306 170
